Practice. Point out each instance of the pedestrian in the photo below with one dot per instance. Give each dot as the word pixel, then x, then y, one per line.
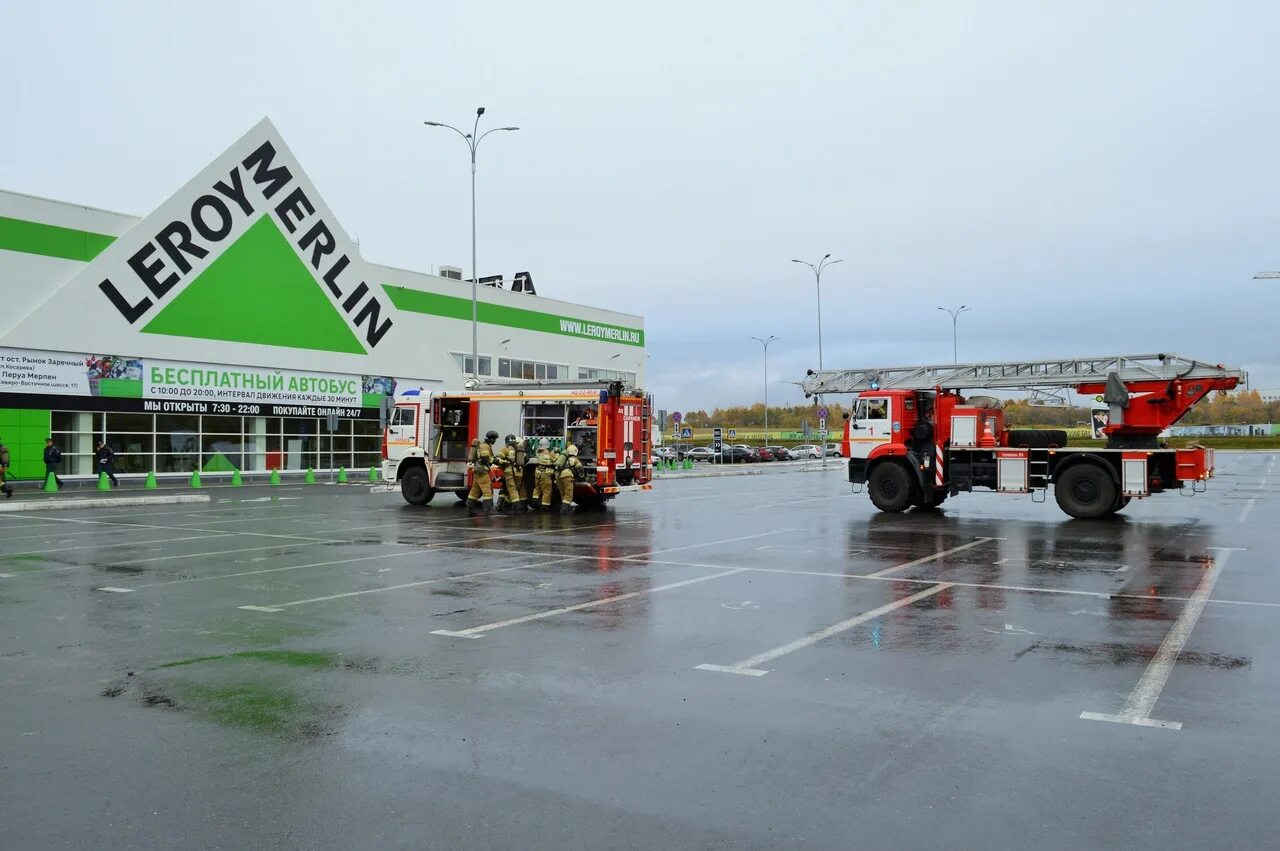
pixel 568 470
pixel 104 457
pixel 542 479
pixel 511 458
pixel 52 458
pixel 480 497
pixel 5 487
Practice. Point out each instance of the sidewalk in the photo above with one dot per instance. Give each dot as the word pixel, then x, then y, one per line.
pixel 711 471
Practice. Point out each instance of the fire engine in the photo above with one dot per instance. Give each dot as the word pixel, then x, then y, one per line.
pixel 427 439
pixel 913 439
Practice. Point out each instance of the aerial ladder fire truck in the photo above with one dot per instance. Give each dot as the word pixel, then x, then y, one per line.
pixel 913 439
pixel 427 440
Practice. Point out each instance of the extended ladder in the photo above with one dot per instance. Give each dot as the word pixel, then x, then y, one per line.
pixel 1016 375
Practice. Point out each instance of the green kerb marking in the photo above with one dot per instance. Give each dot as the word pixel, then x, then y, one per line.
pixel 292 658
pixel 455 307
pixel 51 240
pixel 258 291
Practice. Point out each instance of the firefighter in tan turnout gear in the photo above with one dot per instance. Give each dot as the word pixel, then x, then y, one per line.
pixel 568 470
pixel 511 460
pixel 543 480
pixel 481 460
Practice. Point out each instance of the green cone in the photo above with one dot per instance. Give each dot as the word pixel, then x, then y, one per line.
pixel 342 475
pixel 236 481
pixel 50 484
pixel 104 484
pixel 373 474
pixel 311 477
pixel 195 479
pixel 151 481
pixel 275 477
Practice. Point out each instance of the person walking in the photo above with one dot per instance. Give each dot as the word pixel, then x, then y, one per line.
pixel 480 498
pixel 5 487
pixel 568 470
pixel 52 459
pixel 104 458
pixel 542 479
pixel 511 459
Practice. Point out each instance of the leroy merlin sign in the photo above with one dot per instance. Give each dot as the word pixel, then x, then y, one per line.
pixel 250 226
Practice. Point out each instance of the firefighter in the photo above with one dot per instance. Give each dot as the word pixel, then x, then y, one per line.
pixel 568 470
pixel 511 460
pixel 481 495
pixel 542 477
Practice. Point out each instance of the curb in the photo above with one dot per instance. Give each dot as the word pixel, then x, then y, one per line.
pixel 64 503
pixel 751 471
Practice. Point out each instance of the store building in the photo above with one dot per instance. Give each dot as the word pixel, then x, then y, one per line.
pixel 224 329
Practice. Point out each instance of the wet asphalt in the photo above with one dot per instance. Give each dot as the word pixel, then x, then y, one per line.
pixel 743 662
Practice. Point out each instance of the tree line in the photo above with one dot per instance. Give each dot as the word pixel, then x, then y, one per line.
pixel 1219 409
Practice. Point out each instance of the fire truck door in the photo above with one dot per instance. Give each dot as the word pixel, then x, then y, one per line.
pixel 870 426
pixel 402 428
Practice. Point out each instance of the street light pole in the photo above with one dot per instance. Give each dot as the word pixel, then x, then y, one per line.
pixel 817 279
pixel 955 316
pixel 473 142
pixel 766 343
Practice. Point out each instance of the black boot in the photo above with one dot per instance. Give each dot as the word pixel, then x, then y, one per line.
pixel 473 507
pixel 566 508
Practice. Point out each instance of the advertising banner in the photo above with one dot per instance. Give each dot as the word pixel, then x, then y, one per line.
pixel 165 385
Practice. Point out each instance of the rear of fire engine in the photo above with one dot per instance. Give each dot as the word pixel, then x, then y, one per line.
pixel 427 441
pixel 913 439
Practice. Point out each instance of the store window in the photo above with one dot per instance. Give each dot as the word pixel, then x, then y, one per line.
pixel 591 373
pixel 465 361
pixel 514 368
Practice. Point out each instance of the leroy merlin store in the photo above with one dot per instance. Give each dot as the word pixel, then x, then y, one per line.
pixel 224 330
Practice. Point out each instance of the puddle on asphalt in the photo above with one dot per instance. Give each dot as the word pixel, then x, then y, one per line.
pixel 1123 654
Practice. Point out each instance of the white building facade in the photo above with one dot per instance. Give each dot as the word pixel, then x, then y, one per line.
pixel 223 330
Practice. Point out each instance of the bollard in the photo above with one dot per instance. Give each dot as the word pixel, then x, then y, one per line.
pixel 373 474
pixel 236 481
pixel 150 484
pixel 275 476
pixel 195 479
pixel 50 484
pixel 342 475
pixel 311 477
pixel 104 484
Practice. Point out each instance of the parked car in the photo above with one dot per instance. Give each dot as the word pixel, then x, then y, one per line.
pixel 806 450
pixel 764 453
pixel 780 453
pixel 833 450
pixel 732 455
pixel 700 453
pixel 665 453
pixel 681 449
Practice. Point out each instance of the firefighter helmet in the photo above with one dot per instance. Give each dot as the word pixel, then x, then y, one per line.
pixel 510 440
pixel 544 444
pixel 573 450
pixel 490 436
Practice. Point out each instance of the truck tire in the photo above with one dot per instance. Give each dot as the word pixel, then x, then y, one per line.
pixel 1086 492
pixel 1037 438
pixel 891 487
pixel 415 487
pixel 939 497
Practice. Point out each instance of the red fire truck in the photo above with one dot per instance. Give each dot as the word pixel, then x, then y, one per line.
pixel 913 439
pixel 428 436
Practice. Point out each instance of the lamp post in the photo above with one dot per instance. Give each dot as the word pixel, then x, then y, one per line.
pixel 765 343
pixel 955 315
pixel 473 142
pixel 817 279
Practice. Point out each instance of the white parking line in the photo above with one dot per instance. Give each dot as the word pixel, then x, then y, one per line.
pixel 279 607
pixel 1137 709
pixel 750 667
pixel 100 546
pixel 479 631
pixel 1247 508
pixel 926 559
pixel 116 590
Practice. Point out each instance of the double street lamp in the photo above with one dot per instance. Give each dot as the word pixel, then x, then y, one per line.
pixel 766 343
pixel 473 141
pixel 817 279
pixel 955 315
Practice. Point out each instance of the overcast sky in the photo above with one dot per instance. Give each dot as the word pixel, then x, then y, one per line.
pixel 1093 178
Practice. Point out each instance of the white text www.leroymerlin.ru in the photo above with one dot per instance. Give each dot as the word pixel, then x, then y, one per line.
pixel 603 332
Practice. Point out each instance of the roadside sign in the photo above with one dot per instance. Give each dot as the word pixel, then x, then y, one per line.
pixel 675 418
pixel 822 423
pixel 733 432
pixel 717 439
pixel 822 414
pixel 686 433
pixel 806 430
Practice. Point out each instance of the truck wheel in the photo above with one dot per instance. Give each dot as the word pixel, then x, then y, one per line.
pixel 1121 502
pixel 1037 438
pixel 1086 491
pixel 939 497
pixel 462 495
pixel 415 487
pixel 890 487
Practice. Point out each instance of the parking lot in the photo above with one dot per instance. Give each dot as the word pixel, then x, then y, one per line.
pixel 732 662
